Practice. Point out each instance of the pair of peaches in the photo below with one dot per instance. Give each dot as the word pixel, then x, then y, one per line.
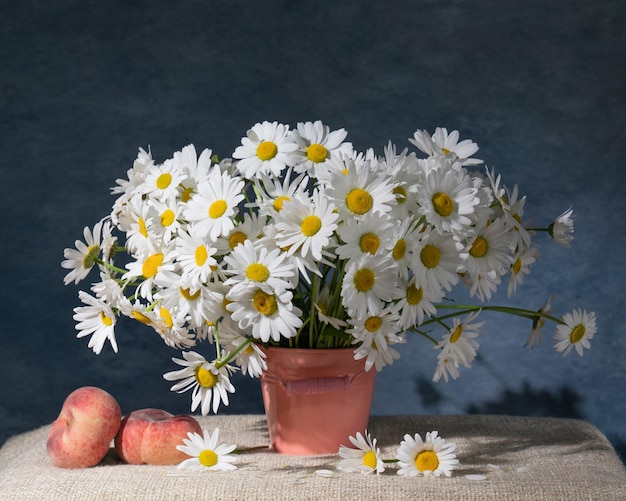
pixel 91 418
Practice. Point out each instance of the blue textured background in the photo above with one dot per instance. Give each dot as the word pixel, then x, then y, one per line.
pixel 539 85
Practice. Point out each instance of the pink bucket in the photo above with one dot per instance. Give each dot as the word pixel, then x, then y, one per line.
pixel 315 399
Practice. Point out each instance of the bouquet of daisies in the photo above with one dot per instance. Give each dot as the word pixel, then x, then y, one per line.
pixel 300 241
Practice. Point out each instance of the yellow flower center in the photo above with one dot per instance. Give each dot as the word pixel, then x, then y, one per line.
pixel 316 153
pixel 311 225
pixel 279 202
pixel 151 265
pixel 479 247
pixel 577 333
pixel 236 238
pixel 205 377
pixel 364 280
pixel 142 227
pixel 400 193
pixel 249 350
pixel 369 459
pixel 359 201
pixel 426 461
pixel 414 295
pixel 257 272
pixel 201 255
pixel 445 151
pixel 217 209
pixel 188 295
pixel 89 259
pixel 207 458
pixel 442 203
pixel 186 195
pixel 265 303
pixel 266 150
pixel 372 324
pixel 108 321
pixel 166 316
pixel 167 218
pixel 430 256
pixel 456 334
pixel 517 266
pixel 399 250
pixel 369 242
pixel 140 317
pixel 164 180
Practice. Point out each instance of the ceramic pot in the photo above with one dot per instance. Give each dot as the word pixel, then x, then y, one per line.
pixel 315 399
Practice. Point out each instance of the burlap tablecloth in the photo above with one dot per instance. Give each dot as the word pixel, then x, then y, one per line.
pixel 502 458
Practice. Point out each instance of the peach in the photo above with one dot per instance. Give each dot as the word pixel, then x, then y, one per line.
pixel 81 436
pixel 150 436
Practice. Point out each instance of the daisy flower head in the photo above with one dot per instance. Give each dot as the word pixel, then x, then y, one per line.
pixel 521 267
pixel 447 199
pixel 272 193
pixel 317 146
pixel 417 302
pixel 162 180
pixel 368 235
pixel 195 256
pixel 80 260
pixel 306 225
pixel 250 228
pixel 255 265
pixel 267 149
pixel 364 459
pixel 489 249
pixel 96 319
pixel 577 329
pixel 437 260
pixel 209 384
pixel 265 315
pixel 459 345
pixel 359 189
pixel 147 268
pixel 214 207
pixel 207 453
pixel 369 281
pixel 445 144
pixel 562 228
pixel 195 168
pixel 432 456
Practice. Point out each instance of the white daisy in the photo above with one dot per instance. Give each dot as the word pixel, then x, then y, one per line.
pixel 214 207
pixel 147 268
pixel 360 189
pixel 447 199
pixel 317 147
pixel 267 149
pixel 577 329
pixel 162 181
pixel 521 267
pixel 251 265
pixel 438 260
pixel 482 284
pixel 306 225
pixel 272 193
pixel 459 345
pixel 489 249
pixel 251 359
pixel 416 302
pixel 364 459
pixel 209 385
pixel 369 234
pixel 82 259
pixel 251 228
pixel 443 144
pixel 367 283
pixel 96 319
pixel 432 456
pixel 195 168
pixel 265 315
pixel 562 227
pixel 195 257
pixel 207 453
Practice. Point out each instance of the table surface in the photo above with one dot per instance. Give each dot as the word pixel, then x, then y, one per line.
pixel 502 458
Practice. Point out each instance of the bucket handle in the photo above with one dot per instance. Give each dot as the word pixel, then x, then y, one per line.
pixel 313 386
